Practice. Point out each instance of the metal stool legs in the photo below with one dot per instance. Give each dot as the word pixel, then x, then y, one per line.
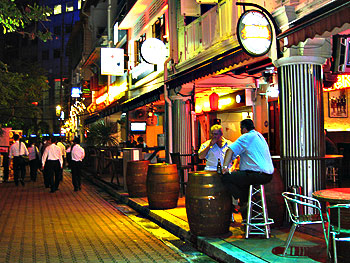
pixel 258 222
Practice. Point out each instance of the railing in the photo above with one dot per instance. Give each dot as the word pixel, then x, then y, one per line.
pixel 216 25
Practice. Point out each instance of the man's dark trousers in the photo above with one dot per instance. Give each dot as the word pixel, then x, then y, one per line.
pixel 238 182
pixel 76 174
pixel 53 173
pixel 19 169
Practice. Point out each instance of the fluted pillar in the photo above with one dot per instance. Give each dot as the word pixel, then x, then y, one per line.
pixel 302 122
pixel 181 125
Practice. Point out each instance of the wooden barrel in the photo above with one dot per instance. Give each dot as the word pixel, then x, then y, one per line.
pixel 136 176
pixel 208 204
pixel 274 199
pixel 162 186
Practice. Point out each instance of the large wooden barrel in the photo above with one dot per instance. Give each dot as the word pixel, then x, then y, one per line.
pixel 162 186
pixel 274 199
pixel 208 204
pixel 136 176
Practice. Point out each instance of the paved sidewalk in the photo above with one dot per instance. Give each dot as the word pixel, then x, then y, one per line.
pixel 233 247
pixel 68 226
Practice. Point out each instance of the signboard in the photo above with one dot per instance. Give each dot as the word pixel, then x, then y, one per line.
pixel 112 61
pixel 343 82
pixel 76 91
pixel 153 51
pixel 254 33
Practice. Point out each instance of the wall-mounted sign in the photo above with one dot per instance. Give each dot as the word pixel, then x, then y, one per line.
pixel 76 91
pixel 254 33
pixel 343 82
pixel 153 51
pixel 112 61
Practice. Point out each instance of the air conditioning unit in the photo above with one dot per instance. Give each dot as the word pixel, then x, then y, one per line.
pixel 341 54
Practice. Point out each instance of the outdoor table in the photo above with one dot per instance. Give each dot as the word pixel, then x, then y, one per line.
pixel 337 196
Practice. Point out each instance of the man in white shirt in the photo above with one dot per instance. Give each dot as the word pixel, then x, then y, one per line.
pixel 214 149
pixel 255 162
pixel 52 162
pixel 77 155
pixel 17 150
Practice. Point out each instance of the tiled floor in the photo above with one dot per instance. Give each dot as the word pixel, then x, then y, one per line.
pixel 68 226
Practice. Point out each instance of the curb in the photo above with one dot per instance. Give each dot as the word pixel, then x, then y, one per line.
pixel 213 247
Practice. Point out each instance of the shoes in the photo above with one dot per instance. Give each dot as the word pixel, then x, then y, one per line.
pixel 76 189
pixel 79 188
pixel 52 191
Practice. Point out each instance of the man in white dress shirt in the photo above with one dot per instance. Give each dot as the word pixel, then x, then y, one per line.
pixel 52 161
pixel 17 150
pixel 214 149
pixel 78 154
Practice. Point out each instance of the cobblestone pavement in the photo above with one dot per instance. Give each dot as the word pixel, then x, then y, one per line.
pixel 68 226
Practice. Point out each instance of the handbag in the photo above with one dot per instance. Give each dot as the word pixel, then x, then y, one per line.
pixel 23 159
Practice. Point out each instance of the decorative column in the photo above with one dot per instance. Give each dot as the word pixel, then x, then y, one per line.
pixel 181 126
pixel 302 122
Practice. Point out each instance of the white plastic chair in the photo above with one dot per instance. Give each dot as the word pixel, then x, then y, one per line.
pixel 338 232
pixel 296 206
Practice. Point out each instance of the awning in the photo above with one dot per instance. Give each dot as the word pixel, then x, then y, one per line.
pixel 92 119
pixel 230 60
pixel 142 100
pixel 325 21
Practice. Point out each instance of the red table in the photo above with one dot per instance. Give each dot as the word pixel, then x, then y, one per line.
pixel 337 196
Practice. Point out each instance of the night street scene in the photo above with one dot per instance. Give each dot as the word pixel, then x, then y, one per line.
pixel 174 131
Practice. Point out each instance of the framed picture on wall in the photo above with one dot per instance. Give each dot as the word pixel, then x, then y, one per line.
pixel 338 104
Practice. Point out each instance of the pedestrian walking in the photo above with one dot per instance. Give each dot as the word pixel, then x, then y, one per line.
pixel 77 156
pixel 52 162
pixel 34 160
pixel 17 152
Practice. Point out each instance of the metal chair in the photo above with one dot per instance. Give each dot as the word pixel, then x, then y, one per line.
pixel 338 231
pixel 176 159
pixel 299 208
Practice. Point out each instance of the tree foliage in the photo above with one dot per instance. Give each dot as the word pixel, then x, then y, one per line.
pixel 101 134
pixel 19 90
pixel 16 17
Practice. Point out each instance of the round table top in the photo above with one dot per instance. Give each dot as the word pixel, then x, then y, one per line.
pixel 334 195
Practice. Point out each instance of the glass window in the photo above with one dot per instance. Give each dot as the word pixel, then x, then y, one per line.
pixel 79 4
pixel 69 7
pixel 45 55
pixel 57 30
pixel 57 9
pixel 68 29
pixel 56 53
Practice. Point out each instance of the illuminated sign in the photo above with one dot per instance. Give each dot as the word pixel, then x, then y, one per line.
pixel 112 61
pixel 343 82
pixel 115 33
pixel 76 91
pixel 254 33
pixel 153 51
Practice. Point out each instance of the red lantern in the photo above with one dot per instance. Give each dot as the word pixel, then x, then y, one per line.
pixel 214 101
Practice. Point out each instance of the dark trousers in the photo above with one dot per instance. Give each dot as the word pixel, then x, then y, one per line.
pixel 33 165
pixel 53 173
pixel 19 169
pixel 76 174
pixel 238 182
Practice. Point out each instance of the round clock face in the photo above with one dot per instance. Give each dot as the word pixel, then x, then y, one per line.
pixel 254 33
pixel 153 51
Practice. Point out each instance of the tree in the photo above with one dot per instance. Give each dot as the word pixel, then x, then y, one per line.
pixel 22 85
pixel 16 16
pixel 19 90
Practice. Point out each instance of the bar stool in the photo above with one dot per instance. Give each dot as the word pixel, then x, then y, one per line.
pixel 257 222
